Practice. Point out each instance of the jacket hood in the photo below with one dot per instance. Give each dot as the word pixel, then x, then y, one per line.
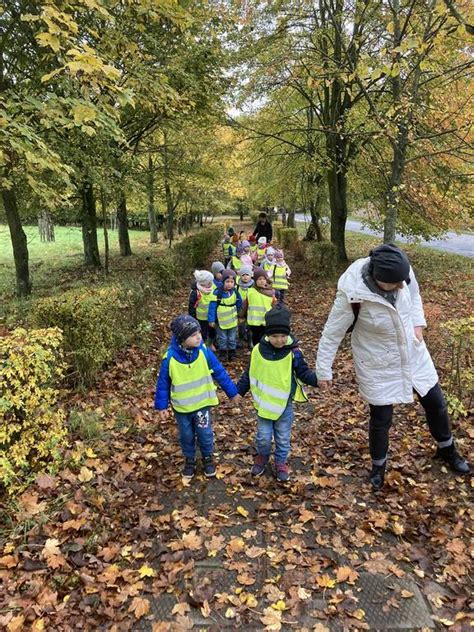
pixel 183 355
pixel 269 352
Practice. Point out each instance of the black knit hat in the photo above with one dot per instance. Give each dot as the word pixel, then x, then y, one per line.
pixel 184 326
pixel 389 264
pixel 277 320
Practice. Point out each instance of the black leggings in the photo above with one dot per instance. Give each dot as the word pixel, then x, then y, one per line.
pixel 436 412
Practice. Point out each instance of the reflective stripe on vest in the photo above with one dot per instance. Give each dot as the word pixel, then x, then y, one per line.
pixel 192 387
pixel 227 312
pixel 202 308
pixel 258 305
pixel 270 384
pixel 280 280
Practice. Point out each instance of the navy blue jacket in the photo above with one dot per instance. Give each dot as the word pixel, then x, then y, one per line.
pixel 186 356
pixel 212 317
pixel 300 369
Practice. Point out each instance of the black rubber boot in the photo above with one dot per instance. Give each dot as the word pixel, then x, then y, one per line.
pixel 377 476
pixel 452 457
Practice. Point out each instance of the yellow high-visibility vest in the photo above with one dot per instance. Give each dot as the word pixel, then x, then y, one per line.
pixel 227 312
pixel 258 305
pixel 270 384
pixel 192 387
pixel 280 279
pixel 202 308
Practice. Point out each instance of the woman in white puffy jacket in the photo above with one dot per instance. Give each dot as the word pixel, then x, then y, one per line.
pixel 380 296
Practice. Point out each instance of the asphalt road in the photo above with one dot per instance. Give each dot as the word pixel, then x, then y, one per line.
pixel 457 243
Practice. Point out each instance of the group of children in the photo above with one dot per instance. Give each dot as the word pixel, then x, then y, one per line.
pixel 275 375
pixel 231 300
pixel 241 298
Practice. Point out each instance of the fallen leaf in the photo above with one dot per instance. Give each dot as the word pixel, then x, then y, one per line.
pixel 242 511
pixel 16 624
pixel 192 540
pixel 271 619
pixel 140 607
pixel 358 614
pixel 406 594
pixel 85 475
pixel 325 581
pixel 181 608
pixel 146 571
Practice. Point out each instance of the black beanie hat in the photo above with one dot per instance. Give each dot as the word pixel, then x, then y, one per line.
pixel 184 326
pixel 277 320
pixel 389 264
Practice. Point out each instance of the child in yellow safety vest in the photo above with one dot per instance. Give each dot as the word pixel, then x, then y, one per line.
pixel 280 275
pixel 223 315
pixel 268 262
pixel 275 376
pixel 244 283
pixel 200 297
pixel 260 299
pixel 186 382
pixel 261 247
pixel 253 248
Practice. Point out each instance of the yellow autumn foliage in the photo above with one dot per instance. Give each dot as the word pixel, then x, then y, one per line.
pixel 32 428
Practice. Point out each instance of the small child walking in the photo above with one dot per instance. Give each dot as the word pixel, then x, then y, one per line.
pixel 268 262
pixel 244 283
pixel 223 313
pixel 200 297
pixel 260 299
pixel 186 381
pixel 281 274
pixel 261 247
pixel 275 376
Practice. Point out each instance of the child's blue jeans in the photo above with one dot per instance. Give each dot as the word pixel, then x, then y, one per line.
pixel 195 426
pixel 280 430
pixel 226 339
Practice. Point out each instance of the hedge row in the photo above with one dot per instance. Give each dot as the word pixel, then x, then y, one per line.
pixel 32 427
pixel 190 253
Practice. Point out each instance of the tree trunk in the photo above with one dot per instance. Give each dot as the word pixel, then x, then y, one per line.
pixel 151 202
pixel 89 226
pixel 122 221
pixel 168 196
pixel 291 219
pixel 399 145
pixel 45 227
pixel 106 234
pixel 19 243
pixel 283 216
pixel 314 228
pixel 337 186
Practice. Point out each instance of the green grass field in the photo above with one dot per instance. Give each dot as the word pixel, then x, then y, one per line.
pixel 58 266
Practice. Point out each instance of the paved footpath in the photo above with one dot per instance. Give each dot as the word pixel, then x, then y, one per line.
pixel 374 597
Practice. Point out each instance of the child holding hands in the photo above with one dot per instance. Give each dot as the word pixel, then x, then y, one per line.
pixel 186 381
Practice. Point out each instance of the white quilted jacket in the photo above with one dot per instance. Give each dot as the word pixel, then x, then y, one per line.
pixel 389 361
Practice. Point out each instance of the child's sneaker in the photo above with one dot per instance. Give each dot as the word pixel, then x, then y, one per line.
pixel 259 465
pixel 282 472
pixel 208 466
pixel 189 469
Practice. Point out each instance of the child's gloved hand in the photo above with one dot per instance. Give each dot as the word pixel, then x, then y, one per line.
pixel 163 415
pixel 213 325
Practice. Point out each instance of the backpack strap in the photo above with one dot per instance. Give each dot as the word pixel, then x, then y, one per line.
pixel 355 310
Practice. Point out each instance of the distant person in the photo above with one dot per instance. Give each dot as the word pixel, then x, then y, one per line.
pixel 263 228
pixel 380 297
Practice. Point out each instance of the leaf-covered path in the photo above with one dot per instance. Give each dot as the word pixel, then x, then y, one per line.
pixel 116 542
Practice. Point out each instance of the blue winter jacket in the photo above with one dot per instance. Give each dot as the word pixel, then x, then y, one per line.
pixel 212 315
pixel 185 356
